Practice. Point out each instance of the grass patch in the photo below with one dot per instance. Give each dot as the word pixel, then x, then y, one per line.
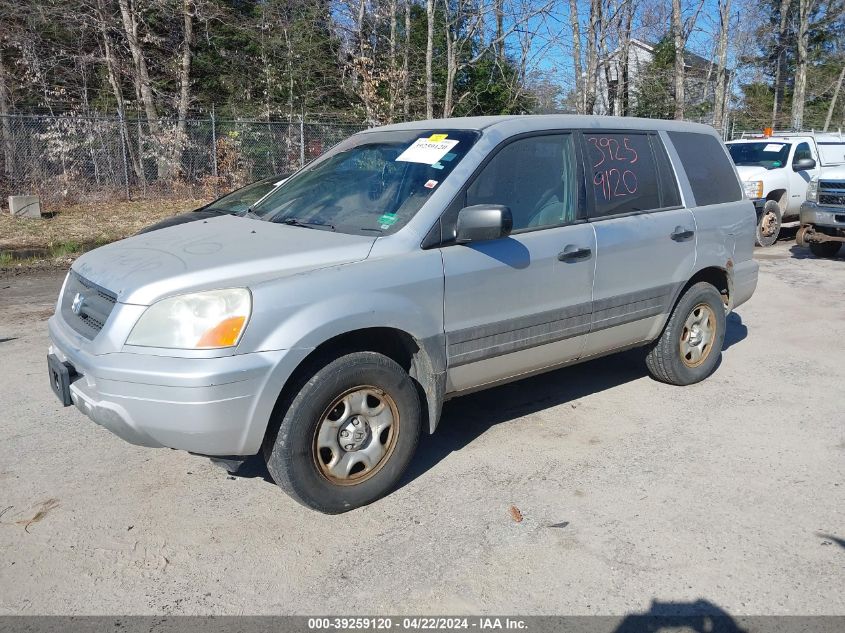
pixel 88 223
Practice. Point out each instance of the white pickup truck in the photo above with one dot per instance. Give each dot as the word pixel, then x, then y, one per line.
pixel 823 213
pixel 776 171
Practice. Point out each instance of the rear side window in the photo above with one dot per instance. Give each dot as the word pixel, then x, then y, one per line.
pixel 622 173
pixel 709 170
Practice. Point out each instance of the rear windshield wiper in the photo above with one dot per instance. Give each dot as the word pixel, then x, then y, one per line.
pixel 306 224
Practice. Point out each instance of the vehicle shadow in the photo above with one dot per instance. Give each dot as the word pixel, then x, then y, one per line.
pixel 702 616
pixel 735 331
pixel 833 539
pixel 465 418
pixel 799 252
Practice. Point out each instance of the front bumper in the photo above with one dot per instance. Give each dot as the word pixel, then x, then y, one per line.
pixel 822 215
pixel 212 406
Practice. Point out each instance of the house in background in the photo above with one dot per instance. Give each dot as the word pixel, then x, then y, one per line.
pixel 613 98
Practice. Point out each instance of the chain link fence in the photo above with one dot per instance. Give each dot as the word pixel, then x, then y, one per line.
pixel 67 158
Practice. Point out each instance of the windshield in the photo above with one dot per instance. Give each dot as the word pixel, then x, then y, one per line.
pixel 371 183
pixel 242 199
pixel 764 154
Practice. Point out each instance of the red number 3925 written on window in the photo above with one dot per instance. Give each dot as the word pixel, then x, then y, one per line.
pixel 613 169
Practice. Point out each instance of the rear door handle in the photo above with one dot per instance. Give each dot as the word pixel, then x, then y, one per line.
pixel 680 234
pixel 572 253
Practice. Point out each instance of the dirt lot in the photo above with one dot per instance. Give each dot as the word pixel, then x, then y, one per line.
pixel 730 492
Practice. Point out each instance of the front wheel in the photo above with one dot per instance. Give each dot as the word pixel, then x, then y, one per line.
pixel 768 224
pixel 691 344
pixel 346 438
pixel 825 249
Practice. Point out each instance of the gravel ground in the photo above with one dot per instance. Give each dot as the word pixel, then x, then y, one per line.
pixel 728 494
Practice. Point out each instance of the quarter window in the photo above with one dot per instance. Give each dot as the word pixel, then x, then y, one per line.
pixel 709 170
pixel 622 173
pixel 536 177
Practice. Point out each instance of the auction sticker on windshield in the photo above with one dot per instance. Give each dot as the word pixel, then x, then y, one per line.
pixel 427 150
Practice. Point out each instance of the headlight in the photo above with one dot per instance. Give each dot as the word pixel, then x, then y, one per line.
pixel 813 190
pixel 754 189
pixel 201 320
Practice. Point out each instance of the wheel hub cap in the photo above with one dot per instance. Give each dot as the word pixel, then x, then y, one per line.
pixel 698 335
pixel 354 434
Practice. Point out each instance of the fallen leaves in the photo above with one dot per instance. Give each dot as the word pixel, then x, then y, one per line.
pixel 516 515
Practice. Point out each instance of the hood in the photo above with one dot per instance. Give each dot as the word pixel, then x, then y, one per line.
pixel 221 252
pixel 755 172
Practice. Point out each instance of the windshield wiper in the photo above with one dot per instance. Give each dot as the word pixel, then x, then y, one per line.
pixel 306 224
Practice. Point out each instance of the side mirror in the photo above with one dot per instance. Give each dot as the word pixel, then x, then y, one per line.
pixel 803 164
pixel 483 222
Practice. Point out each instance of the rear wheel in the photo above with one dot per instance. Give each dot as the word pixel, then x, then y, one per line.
pixel 691 344
pixel 348 435
pixel 825 249
pixel 768 224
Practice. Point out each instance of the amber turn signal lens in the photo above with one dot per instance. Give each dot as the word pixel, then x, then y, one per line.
pixel 224 334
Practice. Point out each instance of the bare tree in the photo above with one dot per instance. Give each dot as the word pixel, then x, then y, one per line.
pixel 429 60
pixel 185 70
pixel 779 62
pixel 406 53
pixel 802 46
pixel 681 30
pixel 833 100
pixel 721 89
pixel 580 94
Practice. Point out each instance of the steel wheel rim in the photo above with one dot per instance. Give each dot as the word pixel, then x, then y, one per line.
pixel 768 224
pixel 356 435
pixel 697 335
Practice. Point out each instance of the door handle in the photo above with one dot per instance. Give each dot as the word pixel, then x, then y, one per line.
pixel 680 234
pixel 572 253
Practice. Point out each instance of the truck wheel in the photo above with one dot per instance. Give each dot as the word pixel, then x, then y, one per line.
pixel 347 435
pixel 825 249
pixel 768 224
pixel 691 344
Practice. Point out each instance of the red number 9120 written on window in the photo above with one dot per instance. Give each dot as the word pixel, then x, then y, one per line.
pixel 613 166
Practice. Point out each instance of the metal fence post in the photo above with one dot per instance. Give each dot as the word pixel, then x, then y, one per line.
pixel 214 151
pixel 301 142
pixel 121 128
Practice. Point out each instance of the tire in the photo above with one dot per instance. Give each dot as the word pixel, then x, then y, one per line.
pixel 768 224
pixel 825 249
pixel 670 358
pixel 305 457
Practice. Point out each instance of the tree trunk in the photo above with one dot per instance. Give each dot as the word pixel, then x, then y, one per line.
pixel 721 96
pixel 113 73
pixel 499 48
pixel 185 70
pixel 451 72
pixel 580 94
pixel 394 75
pixel 781 50
pixel 592 56
pixel 801 55
pixel 678 39
pixel 130 27
pixel 5 107
pixel 406 78
pixel 623 98
pixel 832 105
pixel 429 56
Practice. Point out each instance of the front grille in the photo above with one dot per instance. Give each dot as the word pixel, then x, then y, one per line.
pixel 86 306
pixel 832 199
pixel 832 184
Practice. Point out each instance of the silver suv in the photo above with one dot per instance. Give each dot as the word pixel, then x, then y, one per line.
pixel 408 265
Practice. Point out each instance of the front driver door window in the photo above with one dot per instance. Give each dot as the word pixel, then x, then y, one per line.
pixel 522 302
